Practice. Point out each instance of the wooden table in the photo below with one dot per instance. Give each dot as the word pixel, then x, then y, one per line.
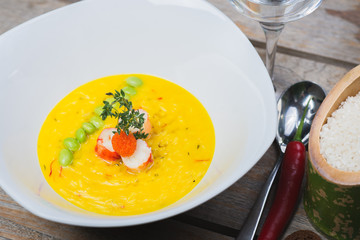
pixel 321 48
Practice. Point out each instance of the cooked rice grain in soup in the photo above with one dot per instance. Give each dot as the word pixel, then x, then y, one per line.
pixel 340 136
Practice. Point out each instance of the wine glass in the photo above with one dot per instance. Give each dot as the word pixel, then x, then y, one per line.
pixel 272 15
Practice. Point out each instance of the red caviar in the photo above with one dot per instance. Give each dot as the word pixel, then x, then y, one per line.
pixel 124 145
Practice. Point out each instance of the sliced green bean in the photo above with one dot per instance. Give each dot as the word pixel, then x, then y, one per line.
pixel 65 157
pixel 72 144
pixel 80 135
pixel 129 90
pixel 88 127
pixel 134 81
pixel 97 122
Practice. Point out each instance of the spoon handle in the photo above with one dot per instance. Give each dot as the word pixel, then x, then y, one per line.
pixel 251 223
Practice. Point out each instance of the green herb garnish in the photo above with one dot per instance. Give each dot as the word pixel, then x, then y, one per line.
pixel 127 116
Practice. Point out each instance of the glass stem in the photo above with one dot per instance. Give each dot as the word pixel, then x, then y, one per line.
pixel 272 32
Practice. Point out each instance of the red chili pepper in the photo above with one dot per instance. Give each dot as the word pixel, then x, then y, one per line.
pixel 291 176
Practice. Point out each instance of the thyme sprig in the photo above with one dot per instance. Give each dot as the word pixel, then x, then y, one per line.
pixel 127 116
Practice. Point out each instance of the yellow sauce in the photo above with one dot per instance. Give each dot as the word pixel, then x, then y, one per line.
pixel 182 142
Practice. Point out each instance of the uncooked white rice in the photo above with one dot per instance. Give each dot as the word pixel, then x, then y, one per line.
pixel 340 136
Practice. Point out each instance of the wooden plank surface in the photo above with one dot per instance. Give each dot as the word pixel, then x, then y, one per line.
pixel 321 48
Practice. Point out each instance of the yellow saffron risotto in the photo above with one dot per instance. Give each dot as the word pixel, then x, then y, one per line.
pixel 182 143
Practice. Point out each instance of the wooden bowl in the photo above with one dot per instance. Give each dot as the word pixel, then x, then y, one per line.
pixel 332 196
pixel 349 85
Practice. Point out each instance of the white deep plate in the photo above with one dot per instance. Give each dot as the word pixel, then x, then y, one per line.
pixel 188 42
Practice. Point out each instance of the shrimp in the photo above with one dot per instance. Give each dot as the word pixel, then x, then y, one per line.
pixel 104 148
pixel 140 159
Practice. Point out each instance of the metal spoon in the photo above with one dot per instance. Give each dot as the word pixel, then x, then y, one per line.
pixel 291 105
